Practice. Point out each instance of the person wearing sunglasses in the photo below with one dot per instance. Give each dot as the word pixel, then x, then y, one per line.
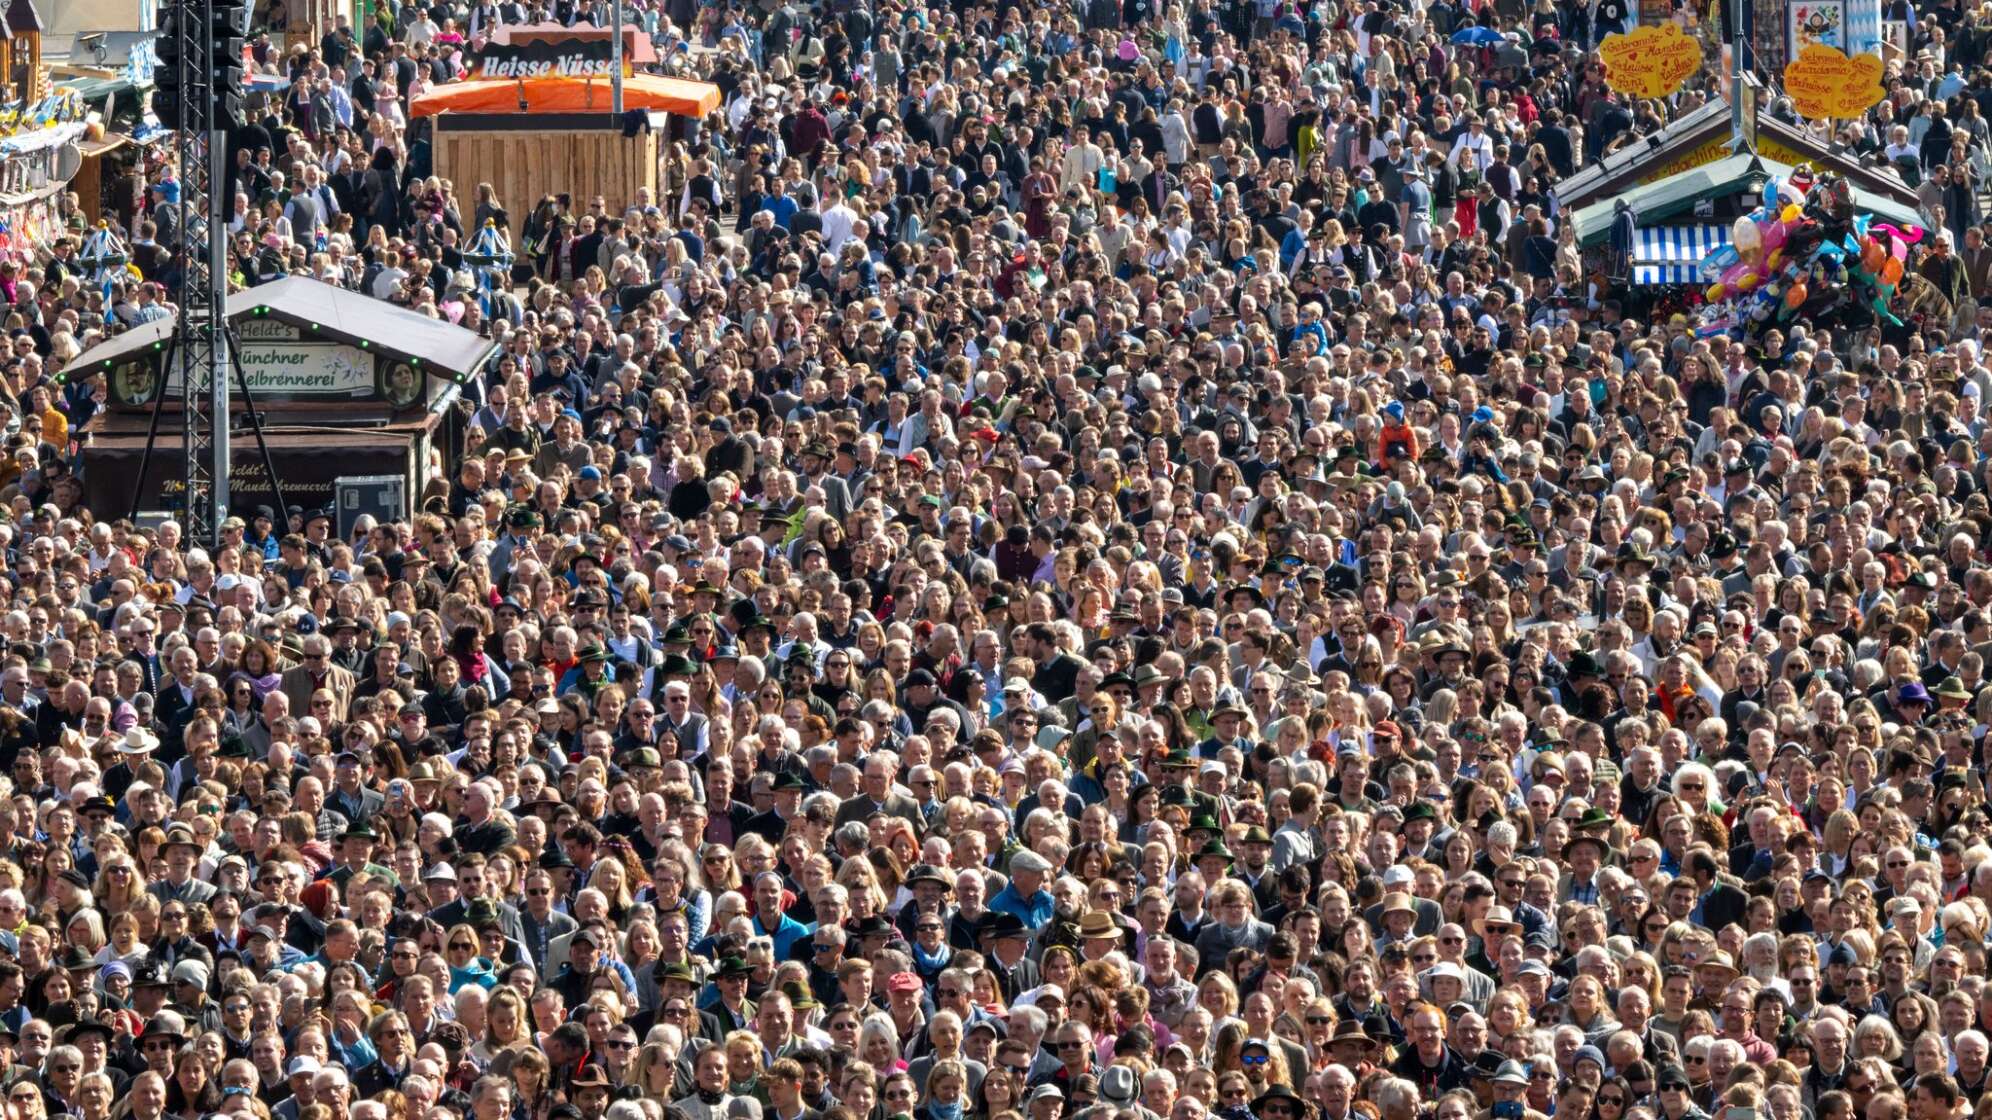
pixel 394 1048
pixel 463 949
pixel 1263 1065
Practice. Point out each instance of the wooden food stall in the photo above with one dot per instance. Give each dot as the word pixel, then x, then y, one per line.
pixel 538 119
pixel 345 386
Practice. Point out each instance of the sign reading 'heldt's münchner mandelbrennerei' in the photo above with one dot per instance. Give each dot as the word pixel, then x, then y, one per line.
pixel 279 360
pixel 302 369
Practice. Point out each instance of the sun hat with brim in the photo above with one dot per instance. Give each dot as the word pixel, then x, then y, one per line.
pixel 998 926
pixel 1598 842
pixel 925 873
pixel 1280 1092
pixel 1512 1073
pixel 137 740
pixel 1397 902
pixel 1953 689
pixel 1214 849
pixel 166 1024
pixel 1445 970
pixel 1350 1032
pixel 1632 552
pixel 1719 961
pixel 1593 819
pixel 1098 924
pixel 1107 683
pixel 68 1035
pixel 1499 921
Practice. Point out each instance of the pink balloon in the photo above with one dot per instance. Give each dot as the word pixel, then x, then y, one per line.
pixel 1774 235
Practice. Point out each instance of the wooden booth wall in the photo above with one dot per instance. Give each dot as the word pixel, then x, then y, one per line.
pixel 528 162
pixel 21 51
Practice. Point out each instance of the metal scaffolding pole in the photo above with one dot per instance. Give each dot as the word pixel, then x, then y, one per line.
pixel 201 75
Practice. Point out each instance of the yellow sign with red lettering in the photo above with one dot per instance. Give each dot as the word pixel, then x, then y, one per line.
pixel 1649 61
pixel 1720 148
pixel 1823 82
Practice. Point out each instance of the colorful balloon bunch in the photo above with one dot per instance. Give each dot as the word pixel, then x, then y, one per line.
pixel 1803 253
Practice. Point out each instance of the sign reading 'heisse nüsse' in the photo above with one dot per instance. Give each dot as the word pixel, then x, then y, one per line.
pixel 544 58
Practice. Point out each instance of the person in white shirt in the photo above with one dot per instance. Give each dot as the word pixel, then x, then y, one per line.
pixel 1081 169
pixel 838 223
pixel 1478 146
pixel 421 30
pixel 1176 135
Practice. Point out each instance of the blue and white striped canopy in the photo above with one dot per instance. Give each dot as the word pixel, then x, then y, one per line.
pixel 1669 254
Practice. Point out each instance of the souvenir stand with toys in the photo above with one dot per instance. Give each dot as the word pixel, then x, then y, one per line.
pixel 39 154
pixel 1806 254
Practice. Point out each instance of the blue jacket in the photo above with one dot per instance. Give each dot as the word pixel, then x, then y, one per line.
pixel 786 933
pixel 1034 911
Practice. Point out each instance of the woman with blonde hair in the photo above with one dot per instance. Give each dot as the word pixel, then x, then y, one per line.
pixel 860 878
pixel 656 1073
pixel 1875 1037
pixel 1218 995
pixel 1508 1017
pixel 878 1043
pixel 507 1025
pixel 719 870
pixel 118 884
pixel 611 878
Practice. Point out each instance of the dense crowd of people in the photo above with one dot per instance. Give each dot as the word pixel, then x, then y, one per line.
pixel 1102 560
